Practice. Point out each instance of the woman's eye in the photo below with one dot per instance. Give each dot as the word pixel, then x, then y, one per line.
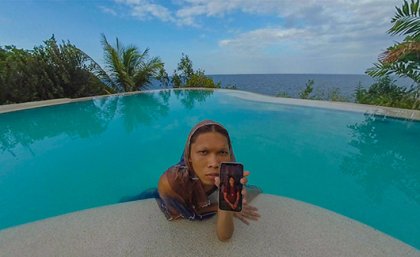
pixel 204 152
pixel 224 153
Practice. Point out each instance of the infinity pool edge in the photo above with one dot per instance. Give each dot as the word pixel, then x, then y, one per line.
pixel 344 106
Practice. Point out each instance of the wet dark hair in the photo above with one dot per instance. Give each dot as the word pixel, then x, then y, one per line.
pixel 229 188
pixel 210 128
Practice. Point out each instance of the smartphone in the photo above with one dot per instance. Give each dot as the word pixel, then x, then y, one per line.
pixel 230 189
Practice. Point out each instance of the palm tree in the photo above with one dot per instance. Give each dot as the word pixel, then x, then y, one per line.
pixel 128 68
pixel 402 59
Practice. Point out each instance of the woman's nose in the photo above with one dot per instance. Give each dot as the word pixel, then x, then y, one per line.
pixel 214 161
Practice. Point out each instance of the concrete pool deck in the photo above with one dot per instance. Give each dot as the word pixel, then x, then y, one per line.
pixel 343 106
pixel 287 228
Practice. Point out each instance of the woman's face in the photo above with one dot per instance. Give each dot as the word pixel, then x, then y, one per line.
pixel 231 181
pixel 207 152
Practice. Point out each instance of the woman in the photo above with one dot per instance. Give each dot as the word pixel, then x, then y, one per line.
pixel 184 188
pixel 231 193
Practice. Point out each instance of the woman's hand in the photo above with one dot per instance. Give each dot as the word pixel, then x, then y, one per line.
pixel 248 212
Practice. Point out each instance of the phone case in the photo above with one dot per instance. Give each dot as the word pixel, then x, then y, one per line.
pixel 230 189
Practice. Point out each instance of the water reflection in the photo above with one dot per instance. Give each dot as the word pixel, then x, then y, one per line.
pixel 143 109
pixel 82 119
pixel 27 127
pixel 386 156
pixel 189 98
pixel 85 119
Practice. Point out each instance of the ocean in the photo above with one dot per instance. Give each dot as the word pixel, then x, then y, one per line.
pixel 293 84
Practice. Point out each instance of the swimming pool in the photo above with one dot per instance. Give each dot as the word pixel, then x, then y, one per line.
pixel 63 158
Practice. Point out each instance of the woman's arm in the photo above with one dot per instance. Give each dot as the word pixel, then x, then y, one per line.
pixel 224 222
pixel 173 205
pixel 227 199
pixel 238 196
pixel 224 225
pixel 165 189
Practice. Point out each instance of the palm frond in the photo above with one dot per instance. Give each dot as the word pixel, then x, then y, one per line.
pixel 129 68
pixel 408 69
pixel 101 73
pixel 402 51
pixel 406 19
pixel 115 65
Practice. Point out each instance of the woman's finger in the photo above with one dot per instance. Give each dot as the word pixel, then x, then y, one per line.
pixel 244 180
pixel 243 192
pixel 251 208
pixel 244 201
pixel 251 217
pixel 253 214
pixel 242 218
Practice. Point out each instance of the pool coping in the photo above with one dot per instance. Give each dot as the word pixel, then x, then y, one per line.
pixel 287 228
pixel 246 95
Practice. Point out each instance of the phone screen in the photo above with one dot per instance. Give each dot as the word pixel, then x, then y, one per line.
pixel 230 189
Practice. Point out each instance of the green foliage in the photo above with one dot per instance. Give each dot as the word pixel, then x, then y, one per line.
pixel 187 77
pixel 48 71
pixel 336 96
pixel 129 69
pixel 409 67
pixel 163 77
pixel 385 92
pixel 402 59
pixel 333 94
pixel 406 20
pixel 308 92
pixel 304 94
pixel 231 86
pixel 282 94
pixel 185 66
pixel 199 79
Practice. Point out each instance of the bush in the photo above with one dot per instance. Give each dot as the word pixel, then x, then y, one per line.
pixel 47 72
pixel 304 94
pixel 283 94
pixel 385 92
pixel 190 78
pixel 199 79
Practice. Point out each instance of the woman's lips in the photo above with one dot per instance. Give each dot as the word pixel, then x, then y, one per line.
pixel 212 175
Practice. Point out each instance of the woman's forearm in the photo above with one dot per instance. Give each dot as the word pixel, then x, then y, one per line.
pixel 224 225
pixel 237 199
pixel 226 198
pixel 211 208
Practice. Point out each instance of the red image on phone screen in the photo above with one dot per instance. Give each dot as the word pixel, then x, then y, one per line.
pixel 230 189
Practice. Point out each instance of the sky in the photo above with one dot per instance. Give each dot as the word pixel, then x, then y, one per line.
pixel 219 36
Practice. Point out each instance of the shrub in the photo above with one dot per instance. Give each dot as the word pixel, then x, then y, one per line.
pixel 304 94
pixel 385 92
pixel 190 78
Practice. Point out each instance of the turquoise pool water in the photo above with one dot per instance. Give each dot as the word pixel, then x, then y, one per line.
pixel 64 158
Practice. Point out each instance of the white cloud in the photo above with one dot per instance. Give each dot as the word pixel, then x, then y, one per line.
pixel 145 9
pixel 319 14
pixel 264 37
pixel 108 10
pixel 317 29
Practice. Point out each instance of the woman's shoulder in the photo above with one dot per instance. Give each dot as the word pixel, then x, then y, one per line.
pixel 173 178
